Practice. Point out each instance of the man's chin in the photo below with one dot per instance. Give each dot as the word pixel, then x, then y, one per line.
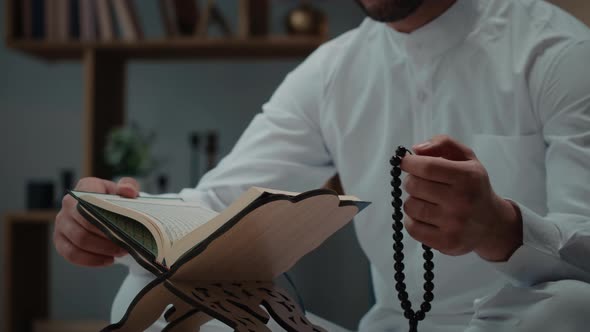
pixel 388 11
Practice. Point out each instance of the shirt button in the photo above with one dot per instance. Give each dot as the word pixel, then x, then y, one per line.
pixel 422 96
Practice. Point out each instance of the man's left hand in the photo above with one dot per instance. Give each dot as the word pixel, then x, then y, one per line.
pixel 451 206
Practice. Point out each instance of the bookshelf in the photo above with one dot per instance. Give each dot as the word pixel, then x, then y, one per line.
pixel 105 63
pixel 274 47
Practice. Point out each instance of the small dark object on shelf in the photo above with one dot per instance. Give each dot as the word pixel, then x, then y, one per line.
pixel 40 195
pixel 259 11
pixel 195 161
pixel 180 17
pixel 162 182
pixel 67 181
pixel 211 149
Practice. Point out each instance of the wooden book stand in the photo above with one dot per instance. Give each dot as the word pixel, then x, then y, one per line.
pixel 229 277
pixel 237 304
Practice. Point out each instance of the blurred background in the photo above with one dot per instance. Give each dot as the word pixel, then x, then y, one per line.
pixel 67 79
pixel 157 89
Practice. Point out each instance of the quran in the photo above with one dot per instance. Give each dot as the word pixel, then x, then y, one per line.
pixel 218 265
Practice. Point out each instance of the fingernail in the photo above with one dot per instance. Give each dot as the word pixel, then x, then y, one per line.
pixel 422 145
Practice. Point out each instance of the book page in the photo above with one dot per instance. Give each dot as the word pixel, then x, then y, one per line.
pixel 176 218
pixel 132 228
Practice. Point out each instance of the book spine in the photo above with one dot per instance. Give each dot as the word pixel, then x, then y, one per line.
pixel 259 16
pixel 128 20
pixel 105 22
pixel 27 19
pixel 168 18
pixel 243 19
pixel 74 16
pixel 62 20
pixel 186 16
pixel 88 20
pixel 203 24
pixel 38 15
pixel 50 19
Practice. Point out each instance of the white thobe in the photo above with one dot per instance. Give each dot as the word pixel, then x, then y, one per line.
pixel 507 78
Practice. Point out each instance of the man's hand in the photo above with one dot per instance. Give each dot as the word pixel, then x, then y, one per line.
pixel 451 205
pixel 76 239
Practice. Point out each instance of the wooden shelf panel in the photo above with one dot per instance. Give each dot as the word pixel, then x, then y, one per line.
pixel 32 216
pixel 68 326
pixel 169 49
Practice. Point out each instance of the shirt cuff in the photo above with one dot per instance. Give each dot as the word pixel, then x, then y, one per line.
pixel 538 259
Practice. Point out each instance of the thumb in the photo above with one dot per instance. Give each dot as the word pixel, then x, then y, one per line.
pixel 446 147
pixel 128 187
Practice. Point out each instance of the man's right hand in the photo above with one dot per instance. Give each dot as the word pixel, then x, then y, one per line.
pixel 79 241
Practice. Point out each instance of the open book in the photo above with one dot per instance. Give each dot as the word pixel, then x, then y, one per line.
pixel 264 231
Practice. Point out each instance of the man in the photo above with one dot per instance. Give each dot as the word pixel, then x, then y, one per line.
pixel 504 203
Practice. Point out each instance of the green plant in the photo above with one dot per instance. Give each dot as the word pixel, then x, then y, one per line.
pixel 128 151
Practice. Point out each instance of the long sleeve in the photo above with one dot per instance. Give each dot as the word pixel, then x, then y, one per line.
pixel 557 245
pixel 282 148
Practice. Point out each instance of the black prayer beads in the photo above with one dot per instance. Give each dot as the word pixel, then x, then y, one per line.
pixel 398 247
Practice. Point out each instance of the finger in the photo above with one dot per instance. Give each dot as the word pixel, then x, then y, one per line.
pixel 87 225
pixel 96 185
pixel 88 241
pixel 422 232
pixel 446 147
pixel 431 191
pixel 78 256
pixel 128 187
pixel 433 168
pixel 70 212
pixel 424 211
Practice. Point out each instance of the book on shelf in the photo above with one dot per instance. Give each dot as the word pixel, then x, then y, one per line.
pixel 106 26
pixel 50 22
pixel 108 20
pixel 219 265
pixel 243 29
pixel 61 19
pixel 73 27
pixel 38 19
pixel 30 19
pixel 128 20
pixel 73 20
pixel 27 19
pixel 88 20
pixel 55 21
pixel 168 17
pixel 253 18
pixel 179 17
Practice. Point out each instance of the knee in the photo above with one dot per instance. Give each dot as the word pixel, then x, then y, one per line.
pixel 553 306
pixel 564 307
pixel 567 296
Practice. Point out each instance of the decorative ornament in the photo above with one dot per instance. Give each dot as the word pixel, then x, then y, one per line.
pixel 306 20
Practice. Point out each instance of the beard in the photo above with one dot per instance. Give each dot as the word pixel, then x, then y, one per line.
pixel 389 10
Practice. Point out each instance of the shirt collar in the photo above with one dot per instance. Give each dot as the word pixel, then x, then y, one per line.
pixel 440 35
